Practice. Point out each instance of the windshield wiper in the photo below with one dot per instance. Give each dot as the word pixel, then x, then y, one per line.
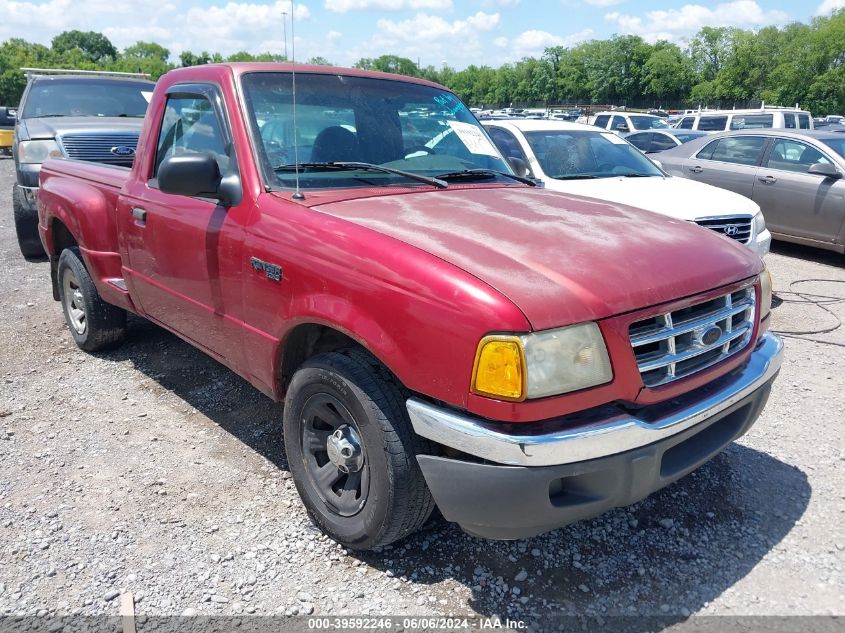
pixel 341 165
pixel 476 174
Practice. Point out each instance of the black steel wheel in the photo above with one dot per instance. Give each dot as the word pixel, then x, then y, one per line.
pixel 352 451
pixel 334 454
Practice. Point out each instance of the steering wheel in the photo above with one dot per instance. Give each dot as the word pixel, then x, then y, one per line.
pixel 419 148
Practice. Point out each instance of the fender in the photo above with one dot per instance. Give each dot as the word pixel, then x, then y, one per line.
pixel 86 209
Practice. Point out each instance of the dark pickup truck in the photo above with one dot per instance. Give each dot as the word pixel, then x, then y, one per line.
pixel 86 115
pixel 442 332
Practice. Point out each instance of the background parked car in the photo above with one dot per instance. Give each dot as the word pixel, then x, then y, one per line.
pixel 621 122
pixel 582 160
pixel 85 115
pixel 795 177
pixel 7 129
pixel 767 117
pixel 660 140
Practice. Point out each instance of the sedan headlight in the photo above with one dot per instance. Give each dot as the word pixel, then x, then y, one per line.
pixel 765 293
pixel 542 363
pixel 38 151
pixel 759 223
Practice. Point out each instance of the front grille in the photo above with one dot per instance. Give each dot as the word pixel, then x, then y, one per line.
pixel 676 344
pixel 738 228
pixel 97 148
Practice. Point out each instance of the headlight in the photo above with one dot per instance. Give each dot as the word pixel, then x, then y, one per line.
pixel 542 363
pixel 38 151
pixel 759 223
pixel 765 293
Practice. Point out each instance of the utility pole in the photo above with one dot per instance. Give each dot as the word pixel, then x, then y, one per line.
pixel 285 28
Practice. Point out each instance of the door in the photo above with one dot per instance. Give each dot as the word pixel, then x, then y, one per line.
pixel 185 253
pixel 729 162
pixel 795 202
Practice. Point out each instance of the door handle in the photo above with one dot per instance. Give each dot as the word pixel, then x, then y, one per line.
pixel 769 180
pixel 696 170
pixel 139 214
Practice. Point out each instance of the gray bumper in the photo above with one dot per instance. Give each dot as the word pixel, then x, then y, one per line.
pixel 618 466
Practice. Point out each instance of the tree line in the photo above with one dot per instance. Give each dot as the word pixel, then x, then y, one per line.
pixel 719 66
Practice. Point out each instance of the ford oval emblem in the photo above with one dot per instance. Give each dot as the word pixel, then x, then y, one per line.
pixel 123 150
pixel 710 335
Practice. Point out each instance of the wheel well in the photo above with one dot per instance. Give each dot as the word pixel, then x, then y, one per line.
pixel 62 239
pixel 307 340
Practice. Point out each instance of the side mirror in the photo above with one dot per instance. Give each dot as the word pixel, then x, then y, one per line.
pixel 825 169
pixel 519 166
pixel 197 175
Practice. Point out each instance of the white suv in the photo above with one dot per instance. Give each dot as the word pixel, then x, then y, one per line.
pixel 623 122
pixel 721 120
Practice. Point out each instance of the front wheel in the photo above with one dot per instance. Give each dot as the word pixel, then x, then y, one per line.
pixel 94 324
pixel 352 451
pixel 26 228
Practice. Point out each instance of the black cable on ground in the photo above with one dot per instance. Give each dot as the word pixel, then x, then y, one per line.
pixel 821 302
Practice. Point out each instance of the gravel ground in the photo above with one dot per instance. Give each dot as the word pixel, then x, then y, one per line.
pixel 152 469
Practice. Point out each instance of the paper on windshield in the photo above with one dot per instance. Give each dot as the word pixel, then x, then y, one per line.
pixel 473 138
pixel 616 140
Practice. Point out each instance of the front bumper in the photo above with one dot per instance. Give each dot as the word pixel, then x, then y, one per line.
pixel 516 485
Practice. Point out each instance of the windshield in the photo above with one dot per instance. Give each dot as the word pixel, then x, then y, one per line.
pixel 573 154
pixel 836 144
pixel 647 122
pixel 400 125
pixel 87 97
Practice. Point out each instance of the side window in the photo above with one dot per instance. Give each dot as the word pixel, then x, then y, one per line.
pixel 789 121
pixel 804 121
pixel 687 122
pixel 752 121
pixel 617 121
pixel 740 150
pixel 190 126
pixel 660 142
pixel 712 123
pixel 641 141
pixel 601 120
pixel 789 155
pixel 506 143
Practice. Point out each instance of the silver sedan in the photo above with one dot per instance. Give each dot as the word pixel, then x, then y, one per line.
pixel 797 178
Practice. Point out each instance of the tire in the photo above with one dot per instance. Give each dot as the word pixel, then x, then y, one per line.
pixel 361 400
pixel 94 324
pixel 26 226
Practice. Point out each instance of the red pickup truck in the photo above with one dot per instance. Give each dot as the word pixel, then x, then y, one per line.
pixel 443 332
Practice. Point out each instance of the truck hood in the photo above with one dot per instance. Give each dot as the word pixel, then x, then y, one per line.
pixel 676 197
pixel 561 259
pixel 51 127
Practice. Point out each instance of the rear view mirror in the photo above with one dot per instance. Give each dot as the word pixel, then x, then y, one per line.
pixel 824 169
pixel 198 175
pixel 189 175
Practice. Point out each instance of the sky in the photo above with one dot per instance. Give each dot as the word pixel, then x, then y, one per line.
pixel 433 32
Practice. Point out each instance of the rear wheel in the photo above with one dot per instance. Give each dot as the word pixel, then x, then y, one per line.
pixel 94 324
pixel 26 227
pixel 352 451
